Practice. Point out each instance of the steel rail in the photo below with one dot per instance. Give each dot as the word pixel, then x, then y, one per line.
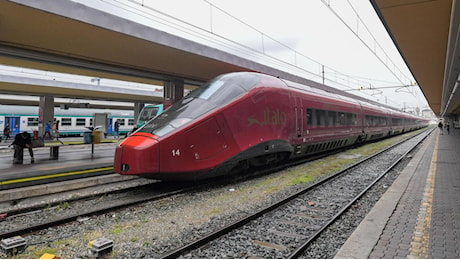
pixel 302 248
pixel 99 211
pixel 216 234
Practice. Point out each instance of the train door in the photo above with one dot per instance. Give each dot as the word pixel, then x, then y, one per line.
pixel 109 126
pixel 298 116
pixel 14 122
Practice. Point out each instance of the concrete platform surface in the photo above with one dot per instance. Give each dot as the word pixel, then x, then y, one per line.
pixel 419 215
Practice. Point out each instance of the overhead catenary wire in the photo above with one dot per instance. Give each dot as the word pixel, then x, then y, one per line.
pixel 356 33
pixel 153 15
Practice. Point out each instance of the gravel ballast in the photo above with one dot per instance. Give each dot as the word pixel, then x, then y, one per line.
pixel 151 229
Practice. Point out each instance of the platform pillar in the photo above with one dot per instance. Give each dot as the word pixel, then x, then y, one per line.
pixel 173 91
pixel 137 110
pixel 45 113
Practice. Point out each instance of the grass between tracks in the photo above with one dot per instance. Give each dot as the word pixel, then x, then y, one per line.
pixel 306 173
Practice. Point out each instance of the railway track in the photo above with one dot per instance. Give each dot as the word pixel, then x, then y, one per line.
pixel 39 197
pixel 144 195
pixel 55 214
pixel 286 228
pixel 127 192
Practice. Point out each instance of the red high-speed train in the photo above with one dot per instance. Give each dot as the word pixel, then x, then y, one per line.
pixel 245 119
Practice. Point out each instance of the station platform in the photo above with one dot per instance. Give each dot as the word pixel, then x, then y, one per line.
pixel 419 215
pixel 76 160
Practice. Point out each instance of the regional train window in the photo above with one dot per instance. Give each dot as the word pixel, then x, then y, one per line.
pixel 32 121
pixel 148 112
pixel 130 121
pixel 81 122
pixel 66 121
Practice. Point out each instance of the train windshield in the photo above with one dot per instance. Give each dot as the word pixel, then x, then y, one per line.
pixel 214 94
pixel 148 113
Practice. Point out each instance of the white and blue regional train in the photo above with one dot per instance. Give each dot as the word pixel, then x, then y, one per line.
pixel 72 122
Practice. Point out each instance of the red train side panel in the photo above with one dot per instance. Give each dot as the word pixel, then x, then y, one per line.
pixel 242 119
pixel 131 158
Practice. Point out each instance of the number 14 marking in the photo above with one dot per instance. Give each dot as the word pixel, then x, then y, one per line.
pixel 175 152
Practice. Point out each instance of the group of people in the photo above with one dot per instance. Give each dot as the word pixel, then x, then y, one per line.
pixel 51 130
pixel 446 125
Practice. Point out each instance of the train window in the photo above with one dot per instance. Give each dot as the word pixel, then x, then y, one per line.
pixel 121 121
pixel 32 121
pixel 130 121
pixel 81 122
pixel 350 119
pixel 148 113
pixel 211 89
pixel 396 121
pixel 320 117
pixel 225 88
pixel 216 93
pixel 176 123
pixel 227 94
pixel 332 118
pixel 375 120
pixel 342 118
pixel 309 116
pixel 66 121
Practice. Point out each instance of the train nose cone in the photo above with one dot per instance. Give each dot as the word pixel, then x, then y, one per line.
pixel 137 155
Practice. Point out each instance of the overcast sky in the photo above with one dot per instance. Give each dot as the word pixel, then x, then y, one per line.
pixel 307 33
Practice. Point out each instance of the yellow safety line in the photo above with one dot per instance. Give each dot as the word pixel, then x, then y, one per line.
pixel 54 175
pixel 421 237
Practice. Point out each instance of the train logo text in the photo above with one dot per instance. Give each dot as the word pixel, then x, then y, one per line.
pixel 270 117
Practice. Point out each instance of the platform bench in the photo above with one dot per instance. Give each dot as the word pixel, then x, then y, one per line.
pixel 54 151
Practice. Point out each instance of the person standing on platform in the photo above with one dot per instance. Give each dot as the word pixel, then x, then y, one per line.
pixel 48 130
pixel 440 125
pixel 6 132
pixel 116 128
pixel 447 126
pixel 56 131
